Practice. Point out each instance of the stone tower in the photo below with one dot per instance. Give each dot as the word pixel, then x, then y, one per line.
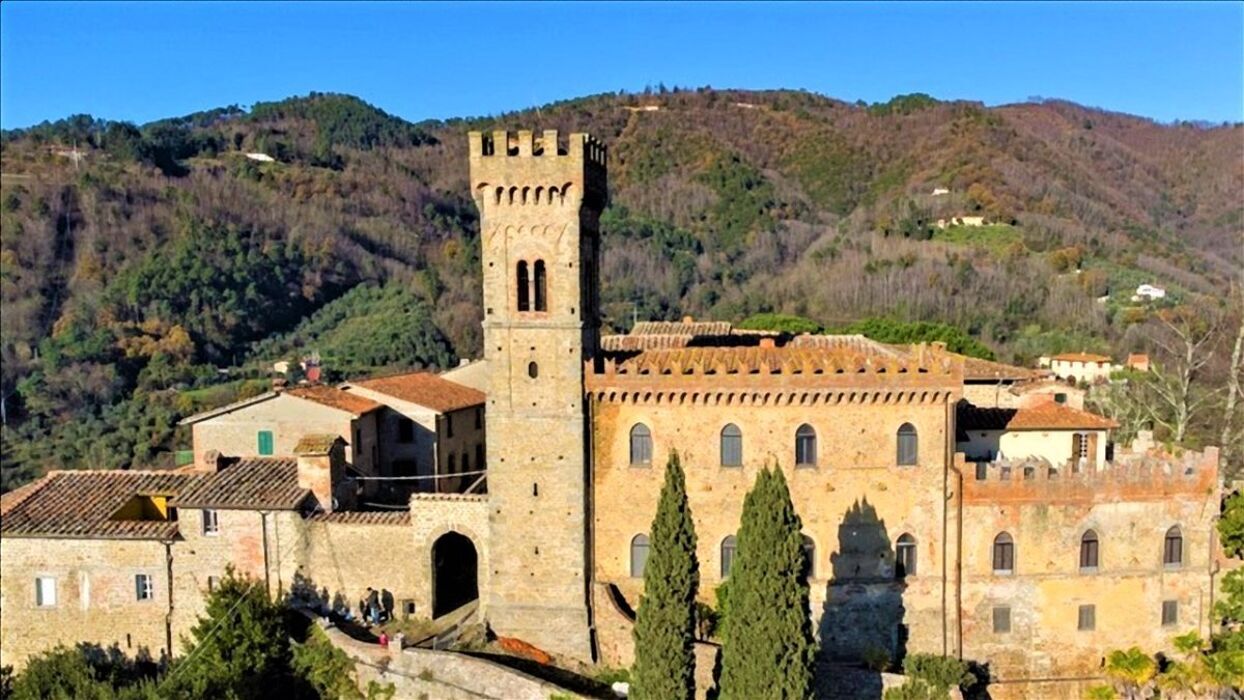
pixel 539 210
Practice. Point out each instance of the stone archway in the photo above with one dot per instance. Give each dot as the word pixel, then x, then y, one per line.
pixel 455 573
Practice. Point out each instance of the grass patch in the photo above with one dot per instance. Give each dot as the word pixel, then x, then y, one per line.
pixel 996 237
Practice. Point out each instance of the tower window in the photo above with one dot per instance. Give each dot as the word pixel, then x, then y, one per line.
pixel 805 446
pixel 524 289
pixel 639 555
pixel 1173 548
pixel 542 296
pixel 728 547
pixel 1088 552
pixel 905 556
pixel 809 557
pixel 641 445
pixel 731 446
pixel 1003 554
pixel 907 443
pixel 1001 620
pixel 1087 618
pixel 1170 613
pixel 533 370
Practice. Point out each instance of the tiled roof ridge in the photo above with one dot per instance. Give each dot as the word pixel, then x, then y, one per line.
pixel 774 360
pixel 334 397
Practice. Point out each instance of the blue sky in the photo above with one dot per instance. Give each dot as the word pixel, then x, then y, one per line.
pixel 143 61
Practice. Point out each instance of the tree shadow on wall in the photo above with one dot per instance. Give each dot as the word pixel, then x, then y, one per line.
pixel 863 620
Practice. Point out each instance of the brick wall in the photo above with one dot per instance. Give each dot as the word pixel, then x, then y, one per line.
pixel 96 598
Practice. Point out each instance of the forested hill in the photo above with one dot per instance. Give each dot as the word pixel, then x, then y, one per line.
pixel 147 271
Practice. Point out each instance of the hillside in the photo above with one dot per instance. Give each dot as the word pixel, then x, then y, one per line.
pixel 160 261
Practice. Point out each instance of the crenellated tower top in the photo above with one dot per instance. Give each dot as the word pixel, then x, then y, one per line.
pixel 525 168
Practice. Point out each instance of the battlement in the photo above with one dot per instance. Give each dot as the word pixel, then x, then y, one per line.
pixel 526 168
pixel 1130 477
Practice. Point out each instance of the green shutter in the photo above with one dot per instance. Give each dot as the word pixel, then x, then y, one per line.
pixel 265 442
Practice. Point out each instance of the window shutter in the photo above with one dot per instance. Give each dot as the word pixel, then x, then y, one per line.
pixel 265 443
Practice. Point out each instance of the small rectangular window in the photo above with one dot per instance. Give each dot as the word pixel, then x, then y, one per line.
pixel 143 588
pixel 1060 398
pixel 479 418
pixel 449 425
pixel 1087 620
pixel 1170 613
pixel 45 592
pixel 405 430
pixel 266 443
pixel 1001 620
pixel 211 522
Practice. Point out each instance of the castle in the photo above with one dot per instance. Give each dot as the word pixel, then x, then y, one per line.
pixel 950 505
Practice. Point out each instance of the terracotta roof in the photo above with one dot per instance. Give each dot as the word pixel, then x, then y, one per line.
pixel 857 343
pixel 1047 416
pixel 426 389
pixel 320 444
pixel 252 483
pixel 1080 357
pixel 977 369
pixel 619 343
pixel 386 517
pixel 682 328
pixel 84 503
pixel 769 360
pixel 333 397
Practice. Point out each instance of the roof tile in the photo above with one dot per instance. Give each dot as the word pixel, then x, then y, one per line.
pixel 250 483
pixel 84 503
pixel 333 397
pixel 426 389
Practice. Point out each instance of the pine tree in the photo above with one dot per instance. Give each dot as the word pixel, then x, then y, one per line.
pixel 768 650
pixel 240 649
pixel 665 625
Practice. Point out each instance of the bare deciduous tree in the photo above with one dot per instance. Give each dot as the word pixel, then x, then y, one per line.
pixel 1184 338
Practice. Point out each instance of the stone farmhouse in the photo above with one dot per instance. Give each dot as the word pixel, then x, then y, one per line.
pixel 950 505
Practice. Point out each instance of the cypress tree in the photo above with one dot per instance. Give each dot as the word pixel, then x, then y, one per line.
pixel 665 623
pixel 768 650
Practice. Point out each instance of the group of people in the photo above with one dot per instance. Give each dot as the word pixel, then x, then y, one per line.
pixel 376 606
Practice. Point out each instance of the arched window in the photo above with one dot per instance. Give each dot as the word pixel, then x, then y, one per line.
pixel 542 292
pixel 728 546
pixel 731 446
pixel 907 452
pixel 639 555
pixel 1088 551
pixel 524 287
pixel 905 556
pixel 1003 554
pixel 533 370
pixel 1173 548
pixel 641 444
pixel 809 557
pixel 805 446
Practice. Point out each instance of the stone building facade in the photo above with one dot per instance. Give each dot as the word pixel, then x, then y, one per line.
pixel 1033 562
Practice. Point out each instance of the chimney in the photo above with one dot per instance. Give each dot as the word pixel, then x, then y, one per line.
pixel 322 469
pixel 209 462
pixel 768 342
pixel 688 319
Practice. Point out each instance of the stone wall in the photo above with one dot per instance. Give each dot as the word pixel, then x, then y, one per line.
pixel 266 547
pixel 539 209
pixel 1130 507
pixel 96 596
pixel 235 433
pixel 854 504
pixel 443 675
pixel 345 554
pixel 434 515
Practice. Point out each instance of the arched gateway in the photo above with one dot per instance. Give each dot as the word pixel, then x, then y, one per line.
pixel 455 573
